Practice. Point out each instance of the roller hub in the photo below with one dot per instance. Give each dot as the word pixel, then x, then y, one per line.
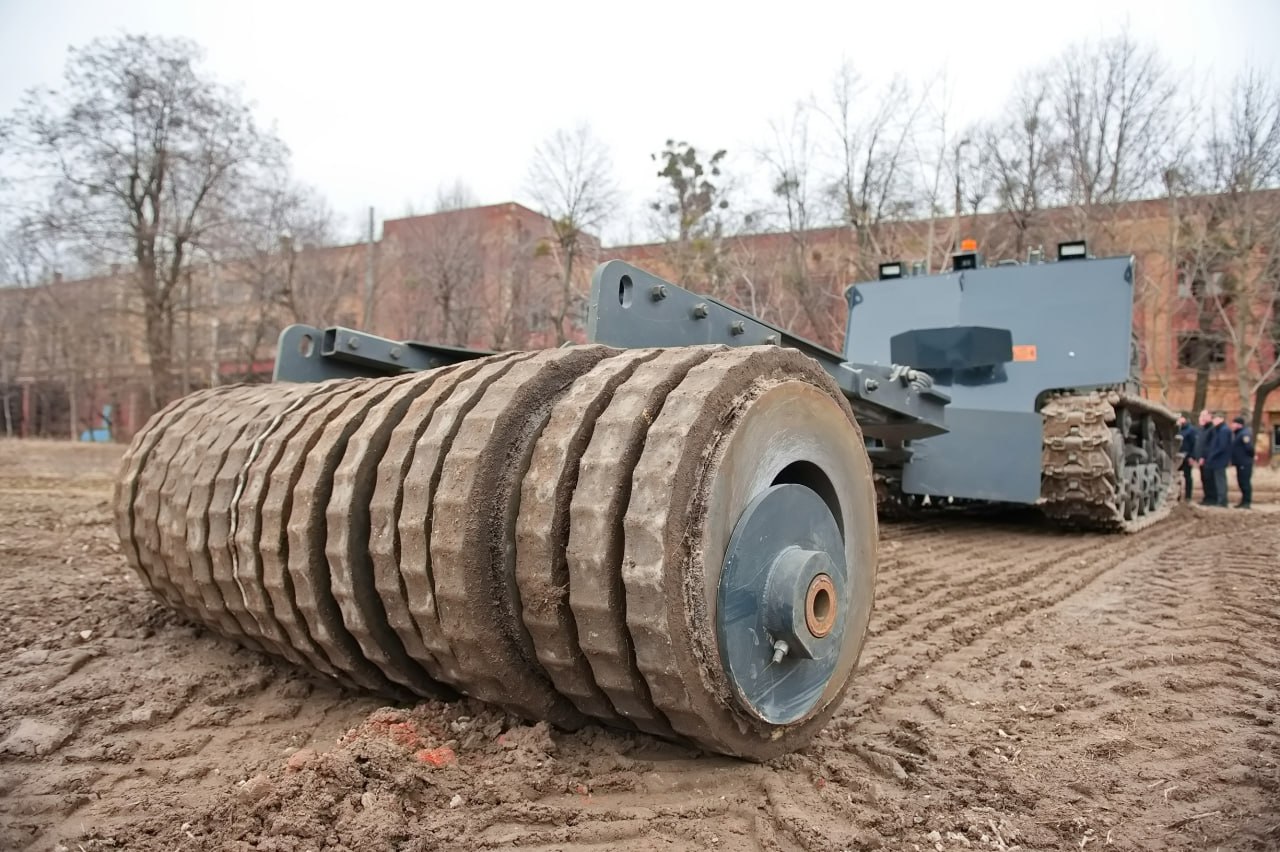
pixel 782 603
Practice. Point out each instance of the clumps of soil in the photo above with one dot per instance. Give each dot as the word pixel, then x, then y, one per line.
pixel 405 779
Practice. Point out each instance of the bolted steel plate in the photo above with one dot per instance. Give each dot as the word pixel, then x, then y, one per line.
pixel 783 581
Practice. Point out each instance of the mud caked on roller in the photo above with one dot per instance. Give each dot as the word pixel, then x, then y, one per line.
pixel 678 541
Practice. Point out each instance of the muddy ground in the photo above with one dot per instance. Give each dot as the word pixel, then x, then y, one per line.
pixel 1023 688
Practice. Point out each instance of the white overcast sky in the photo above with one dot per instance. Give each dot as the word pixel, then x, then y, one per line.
pixel 382 102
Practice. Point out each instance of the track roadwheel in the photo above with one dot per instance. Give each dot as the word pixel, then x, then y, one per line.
pixel 750 552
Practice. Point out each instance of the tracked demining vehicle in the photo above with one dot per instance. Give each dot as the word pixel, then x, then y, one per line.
pixel 671 529
pixel 1038 362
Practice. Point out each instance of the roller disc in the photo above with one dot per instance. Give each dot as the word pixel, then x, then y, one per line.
pixel 595 553
pixel 126 496
pixel 422 485
pixel 263 510
pixel 240 579
pixel 743 422
pixel 472 537
pixel 542 532
pixel 386 506
pixel 188 524
pixel 306 563
pixel 347 542
pixel 156 486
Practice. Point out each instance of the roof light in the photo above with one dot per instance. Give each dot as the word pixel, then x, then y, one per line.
pixel 891 270
pixel 968 245
pixel 1074 250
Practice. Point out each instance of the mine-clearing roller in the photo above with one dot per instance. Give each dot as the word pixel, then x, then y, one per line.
pixel 671 529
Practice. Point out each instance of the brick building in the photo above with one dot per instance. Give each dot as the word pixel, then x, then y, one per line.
pixel 492 277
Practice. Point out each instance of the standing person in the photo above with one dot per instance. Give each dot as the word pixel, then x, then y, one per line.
pixel 1217 457
pixel 1242 450
pixel 1201 450
pixel 1188 433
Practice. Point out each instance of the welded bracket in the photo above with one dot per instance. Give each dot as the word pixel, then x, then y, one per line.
pixel 305 353
pixel 632 309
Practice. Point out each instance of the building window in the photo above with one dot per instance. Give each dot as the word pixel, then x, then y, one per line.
pixel 1195 349
pixel 1198 283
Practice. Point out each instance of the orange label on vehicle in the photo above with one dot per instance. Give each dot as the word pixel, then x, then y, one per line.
pixel 1026 352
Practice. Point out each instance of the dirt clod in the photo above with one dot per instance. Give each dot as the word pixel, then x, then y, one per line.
pixel 34 737
pixel 299 759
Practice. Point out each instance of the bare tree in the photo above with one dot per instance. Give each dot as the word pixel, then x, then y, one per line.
pixel 690 213
pixel 1237 251
pixel 144 156
pixel 1023 156
pixel 277 263
pixel 455 196
pixel 934 148
pixel 440 259
pixel 20 272
pixel 798 206
pixel 870 182
pixel 14 303
pixel 571 181
pixel 1116 107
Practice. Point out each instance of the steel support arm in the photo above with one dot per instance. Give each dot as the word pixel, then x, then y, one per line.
pixel 305 353
pixel 631 308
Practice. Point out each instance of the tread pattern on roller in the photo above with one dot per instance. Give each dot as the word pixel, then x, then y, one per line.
pixel 347 543
pixel 417 509
pixel 542 532
pixel 241 583
pixel 156 485
pixel 385 509
pixel 662 568
pixel 524 527
pixel 472 535
pixel 125 493
pixel 262 540
pixel 192 538
pixel 307 565
pixel 594 556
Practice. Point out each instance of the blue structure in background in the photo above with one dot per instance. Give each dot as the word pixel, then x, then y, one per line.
pixel 100 434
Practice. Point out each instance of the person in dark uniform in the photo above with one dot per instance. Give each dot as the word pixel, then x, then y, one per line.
pixel 1242 460
pixel 1217 457
pixel 1198 456
pixel 1188 433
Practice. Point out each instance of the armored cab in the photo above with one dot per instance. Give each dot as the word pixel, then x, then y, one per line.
pixel 1037 361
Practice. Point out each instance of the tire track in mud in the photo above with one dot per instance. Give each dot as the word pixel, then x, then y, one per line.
pixel 971 576
pixel 1150 658
pixel 951 601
